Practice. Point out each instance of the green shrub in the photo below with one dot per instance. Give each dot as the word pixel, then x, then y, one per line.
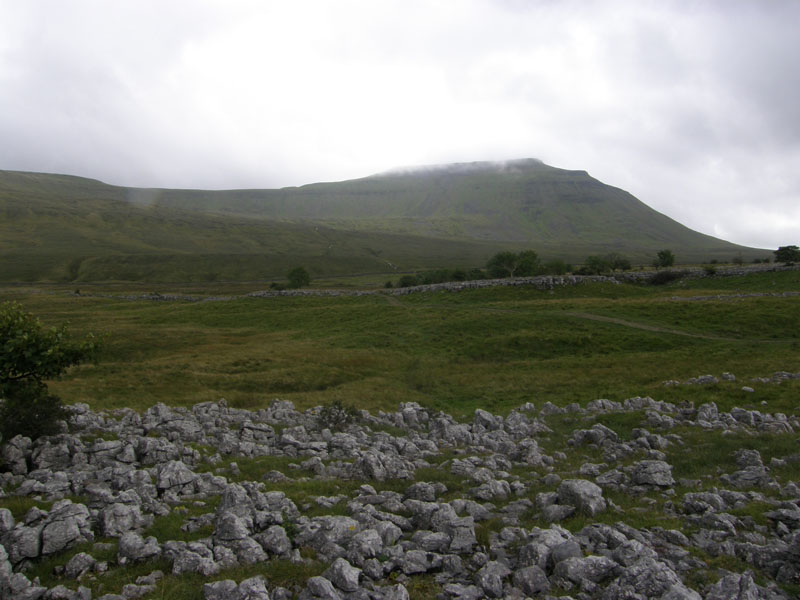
pixel 336 415
pixel 664 258
pixel 408 281
pixel 298 277
pixel 29 354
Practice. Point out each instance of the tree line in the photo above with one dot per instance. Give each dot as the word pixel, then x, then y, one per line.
pixel 527 263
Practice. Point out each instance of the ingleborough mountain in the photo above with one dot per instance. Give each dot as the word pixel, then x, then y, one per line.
pixel 64 228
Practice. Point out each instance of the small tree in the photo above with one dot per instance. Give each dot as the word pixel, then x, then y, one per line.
pixel 787 254
pixel 408 281
pixel 502 264
pixel 595 265
pixel 298 277
pixel 664 258
pixel 618 262
pixel 30 354
pixel 555 267
pixel 509 264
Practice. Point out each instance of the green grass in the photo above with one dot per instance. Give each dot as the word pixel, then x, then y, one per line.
pixel 59 228
pixel 493 348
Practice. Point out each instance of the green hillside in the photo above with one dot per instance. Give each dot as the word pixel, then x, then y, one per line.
pixel 63 228
pixel 522 201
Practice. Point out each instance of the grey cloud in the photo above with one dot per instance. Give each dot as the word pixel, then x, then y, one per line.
pixel 691 106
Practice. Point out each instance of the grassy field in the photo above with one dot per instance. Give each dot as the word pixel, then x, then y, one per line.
pixel 493 348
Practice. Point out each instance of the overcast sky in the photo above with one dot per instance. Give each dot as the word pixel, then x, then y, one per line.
pixel 691 106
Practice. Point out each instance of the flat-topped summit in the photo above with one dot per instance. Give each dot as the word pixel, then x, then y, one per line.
pixel 64 227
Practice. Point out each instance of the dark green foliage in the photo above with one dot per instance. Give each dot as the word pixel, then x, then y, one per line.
pixel 336 415
pixel 32 412
pixel 787 254
pixel 508 264
pixel 298 277
pixel 597 265
pixel 555 267
pixel 710 270
pixel 618 262
pixel 664 258
pixel 664 277
pixel 408 281
pixel 29 354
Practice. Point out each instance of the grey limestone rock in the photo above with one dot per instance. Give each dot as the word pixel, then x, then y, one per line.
pixel 490 578
pixel 6 521
pixel 119 517
pixel 195 560
pixel 66 525
pixel 653 473
pixel 132 548
pixel 275 541
pixel 343 575
pixel 531 580
pixel 253 588
pixel 557 512
pixel 319 588
pixel 225 589
pixel 460 591
pixel 15 453
pixel 739 586
pixel 584 495
pixel 174 477
pixel 78 565
pixel 595 569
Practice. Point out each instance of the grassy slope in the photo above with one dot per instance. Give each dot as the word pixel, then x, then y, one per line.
pixel 526 202
pixel 62 228
pixel 494 349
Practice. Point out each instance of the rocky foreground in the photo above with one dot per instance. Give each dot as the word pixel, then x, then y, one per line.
pixel 507 516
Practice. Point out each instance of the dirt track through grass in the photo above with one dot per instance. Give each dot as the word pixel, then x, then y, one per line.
pixel 635 325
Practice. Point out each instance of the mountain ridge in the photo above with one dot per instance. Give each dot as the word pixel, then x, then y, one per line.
pixel 61 227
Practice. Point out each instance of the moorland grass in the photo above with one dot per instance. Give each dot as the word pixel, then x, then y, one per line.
pixel 490 348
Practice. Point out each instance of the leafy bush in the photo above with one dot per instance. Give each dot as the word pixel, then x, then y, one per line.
pixel 298 277
pixel 664 258
pixel 509 264
pixel 555 267
pixel 29 354
pixel 710 270
pixel 336 415
pixel 408 281
pixel 787 254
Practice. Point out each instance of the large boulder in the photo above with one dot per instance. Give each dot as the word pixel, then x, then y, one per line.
pixel 585 496
pixel 656 473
